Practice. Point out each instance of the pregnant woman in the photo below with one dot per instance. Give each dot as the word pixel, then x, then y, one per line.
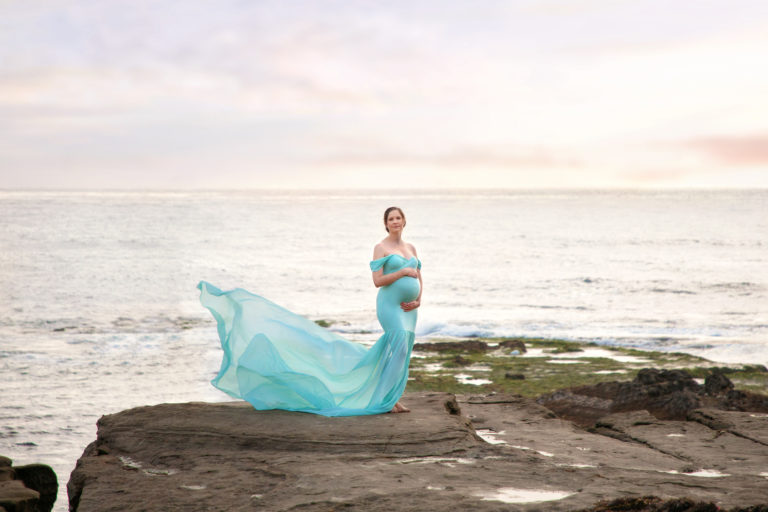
pixel 276 359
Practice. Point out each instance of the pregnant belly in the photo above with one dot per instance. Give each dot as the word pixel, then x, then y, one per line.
pixel 404 289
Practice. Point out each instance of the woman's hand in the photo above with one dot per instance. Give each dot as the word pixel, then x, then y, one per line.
pixel 409 272
pixel 409 306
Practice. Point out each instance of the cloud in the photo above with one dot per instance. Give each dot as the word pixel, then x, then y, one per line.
pixel 646 177
pixel 507 87
pixel 466 158
pixel 731 150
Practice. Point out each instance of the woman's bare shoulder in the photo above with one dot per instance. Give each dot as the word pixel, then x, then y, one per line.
pixel 412 248
pixel 379 251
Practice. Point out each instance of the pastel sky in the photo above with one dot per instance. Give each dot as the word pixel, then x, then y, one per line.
pixel 391 94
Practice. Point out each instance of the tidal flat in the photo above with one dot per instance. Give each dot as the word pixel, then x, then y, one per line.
pixel 534 366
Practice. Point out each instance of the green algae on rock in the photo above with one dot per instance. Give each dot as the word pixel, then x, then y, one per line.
pixel 550 364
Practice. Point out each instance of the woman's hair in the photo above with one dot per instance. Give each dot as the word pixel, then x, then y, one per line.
pixel 388 211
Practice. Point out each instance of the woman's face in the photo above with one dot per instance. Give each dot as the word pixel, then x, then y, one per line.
pixel 395 221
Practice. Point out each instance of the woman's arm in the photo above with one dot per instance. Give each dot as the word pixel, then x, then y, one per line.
pixel 421 284
pixel 381 279
pixel 407 306
pixel 421 287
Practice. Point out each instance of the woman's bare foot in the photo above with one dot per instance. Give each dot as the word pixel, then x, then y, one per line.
pixel 400 408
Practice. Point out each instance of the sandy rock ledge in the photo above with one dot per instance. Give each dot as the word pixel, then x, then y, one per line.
pixel 482 453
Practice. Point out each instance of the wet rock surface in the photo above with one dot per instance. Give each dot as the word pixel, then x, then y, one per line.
pixel 466 346
pixel 513 344
pixel 666 394
pixel 471 346
pixel 29 488
pixel 485 453
pixel 656 504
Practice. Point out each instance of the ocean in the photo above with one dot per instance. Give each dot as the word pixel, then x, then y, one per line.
pixel 100 310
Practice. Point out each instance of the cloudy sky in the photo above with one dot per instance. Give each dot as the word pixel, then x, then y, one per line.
pixel 326 94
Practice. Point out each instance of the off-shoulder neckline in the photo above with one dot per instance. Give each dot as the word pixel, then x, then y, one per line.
pixel 395 254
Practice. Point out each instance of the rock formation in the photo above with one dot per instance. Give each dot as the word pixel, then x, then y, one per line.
pixel 483 453
pixel 30 488
pixel 465 347
pixel 667 394
pixel 471 346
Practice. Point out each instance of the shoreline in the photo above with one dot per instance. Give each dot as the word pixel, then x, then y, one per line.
pixel 533 367
pixel 542 365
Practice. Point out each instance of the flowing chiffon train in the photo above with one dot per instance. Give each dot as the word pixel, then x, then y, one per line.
pixel 276 359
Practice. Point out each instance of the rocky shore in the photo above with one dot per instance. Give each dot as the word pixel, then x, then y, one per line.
pixel 510 424
pixel 485 452
pixel 666 394
pixel 28 488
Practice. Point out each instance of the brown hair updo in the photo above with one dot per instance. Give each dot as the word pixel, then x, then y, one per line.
pixel 388 211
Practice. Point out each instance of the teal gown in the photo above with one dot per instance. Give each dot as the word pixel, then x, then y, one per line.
pixel 276 359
